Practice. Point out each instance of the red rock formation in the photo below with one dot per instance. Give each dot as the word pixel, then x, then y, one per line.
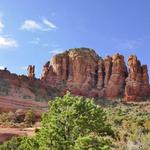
pixel 83 72
pixel 116 83
pixel 45 71
pixel 137 83
pixel 31 71
pixel 82 68
pixel 108 69
pixel 101 74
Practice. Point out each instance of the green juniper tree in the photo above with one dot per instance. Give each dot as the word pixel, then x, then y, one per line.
pixel 68 119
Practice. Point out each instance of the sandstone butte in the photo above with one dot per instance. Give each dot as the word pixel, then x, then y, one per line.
pixel 82 72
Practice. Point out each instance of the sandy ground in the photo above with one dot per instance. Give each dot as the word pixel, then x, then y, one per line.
pixel 8 133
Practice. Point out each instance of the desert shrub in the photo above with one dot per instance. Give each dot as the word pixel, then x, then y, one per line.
pixel 92 142
pixel 29 117
pixel 4 117
pixel 28 144
pixel 11 117
pixel 17 119
pixel 4 87
pixel 20 115
pixel 13 144
pixel 20 143
pixel 145 140
pixel 130 124
pixel 26 97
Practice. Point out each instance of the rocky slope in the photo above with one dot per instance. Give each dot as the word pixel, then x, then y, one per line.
pixel 82 72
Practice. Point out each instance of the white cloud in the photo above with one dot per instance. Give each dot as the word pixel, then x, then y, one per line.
pixel 6 42
pixel 1 26
pixel 49 24
pixel 31 25
pixel 56 51
pixel 52 45
pixel 2 67
pixel 127 45
pixel 23 68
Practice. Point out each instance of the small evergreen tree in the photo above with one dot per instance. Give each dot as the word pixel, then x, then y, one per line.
pixel 68 119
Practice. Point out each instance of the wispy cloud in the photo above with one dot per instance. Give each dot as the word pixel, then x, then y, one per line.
pixel 1 25
pixel 127 45
pixel 23 67
pixel 52 45
pixel 6 42
pixel 1 22
pixel 32 25
pixel 2 67
pixel 56 51
pixel 49 24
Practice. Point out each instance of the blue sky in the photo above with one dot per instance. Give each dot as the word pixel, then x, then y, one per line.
pixel 31 31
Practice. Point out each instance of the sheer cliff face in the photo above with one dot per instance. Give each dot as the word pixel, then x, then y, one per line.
pixel 83 72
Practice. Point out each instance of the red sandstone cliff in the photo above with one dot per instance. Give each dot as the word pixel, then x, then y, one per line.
pixel 83 72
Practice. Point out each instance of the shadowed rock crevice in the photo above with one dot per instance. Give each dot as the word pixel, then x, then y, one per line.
pixel 96 76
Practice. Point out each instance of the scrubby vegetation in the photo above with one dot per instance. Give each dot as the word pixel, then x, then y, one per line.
pixel 4 87
pixel 17 119
pixel 76 123
pixel 130 125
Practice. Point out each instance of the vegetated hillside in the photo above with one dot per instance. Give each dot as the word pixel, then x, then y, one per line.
pixel 24 87
pixel 131 124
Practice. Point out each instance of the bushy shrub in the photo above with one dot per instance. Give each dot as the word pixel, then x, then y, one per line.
pixel 92 142
pixel 29 117
pixel 68 119
pixel 13 144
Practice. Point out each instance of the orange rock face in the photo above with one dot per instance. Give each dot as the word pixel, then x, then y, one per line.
pixel 118 72
pixel 83 72
pixel 137 83
pixel 31 71
pixel 45 71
